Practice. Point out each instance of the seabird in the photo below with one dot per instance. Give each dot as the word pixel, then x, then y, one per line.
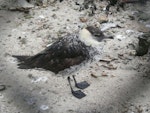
pixel 69 50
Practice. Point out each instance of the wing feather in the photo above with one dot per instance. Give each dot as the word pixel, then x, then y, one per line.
pixel 58 56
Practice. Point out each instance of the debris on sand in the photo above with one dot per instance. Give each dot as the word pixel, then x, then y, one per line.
pixel 44 107
pixel 106 26
pixel 110 66
pixel 93 75
pixel 82 19
pixel 2 87
pixel 38 79
pixel 104 74
pixel 143 45
pixel 103 19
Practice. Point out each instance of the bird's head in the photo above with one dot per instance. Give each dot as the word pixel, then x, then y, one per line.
pixel 91 36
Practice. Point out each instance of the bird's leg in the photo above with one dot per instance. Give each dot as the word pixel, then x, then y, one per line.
pixel 70 84
pixel 74 80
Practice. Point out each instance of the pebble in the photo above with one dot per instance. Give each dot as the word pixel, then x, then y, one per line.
pixel 82 19
pixel 93 75
pixel 54 16
pixel 2 87
pixel 102 19
pixel 104 73
pixel 110 66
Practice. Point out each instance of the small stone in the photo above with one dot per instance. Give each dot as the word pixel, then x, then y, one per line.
pixel 82 19
pixel 131 17
pixel 9 35
pixel 8 21
pixel 103 19
pixel 110 66
pixel 105 60
pixel 54 16
pixel 143 29
pixel 132 53
pixel 2 87
pixel 19 37
pixel 68 20
pixel 23 41
pixel 113 75
pixel 93 75
pixel 104 74
pixel 30 76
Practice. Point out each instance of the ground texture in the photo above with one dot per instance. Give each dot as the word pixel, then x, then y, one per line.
pixel 119 84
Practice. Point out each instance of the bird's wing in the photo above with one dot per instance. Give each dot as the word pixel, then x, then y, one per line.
pixel 58 56
pixel 64 48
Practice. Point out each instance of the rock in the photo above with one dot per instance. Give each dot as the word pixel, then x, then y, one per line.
pixel 132 17
pixel 132 53
pixel 110 66
pixel 102 19
pixel 104 73
pixel 113 75
pixel 54 16
pixel 143 45
pixel 105 60
pixel 93 75
pixel 44 2
pixel 143 29
pixel 52 1
pixel 21 5
pixel 82 19
pixel 2 87
pixel 108 59
pixel 23 41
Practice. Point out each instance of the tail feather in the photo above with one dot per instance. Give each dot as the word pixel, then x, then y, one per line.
pixel 21 58
pixel 22 61
pixel 23 66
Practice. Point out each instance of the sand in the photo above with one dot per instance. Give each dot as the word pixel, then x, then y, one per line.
pixel 120 85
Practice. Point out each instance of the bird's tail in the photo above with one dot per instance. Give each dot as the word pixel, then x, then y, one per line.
pixel 23 61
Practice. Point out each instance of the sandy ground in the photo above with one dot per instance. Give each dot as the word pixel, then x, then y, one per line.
pixel 122 85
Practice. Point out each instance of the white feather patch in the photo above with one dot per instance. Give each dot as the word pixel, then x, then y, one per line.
pixel 86 37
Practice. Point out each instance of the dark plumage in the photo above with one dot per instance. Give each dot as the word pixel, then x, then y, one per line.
pixel 62 54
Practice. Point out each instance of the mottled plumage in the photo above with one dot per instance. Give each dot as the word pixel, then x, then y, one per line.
pixel 68 51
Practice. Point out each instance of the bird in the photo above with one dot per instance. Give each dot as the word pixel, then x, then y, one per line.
pixel 70 50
